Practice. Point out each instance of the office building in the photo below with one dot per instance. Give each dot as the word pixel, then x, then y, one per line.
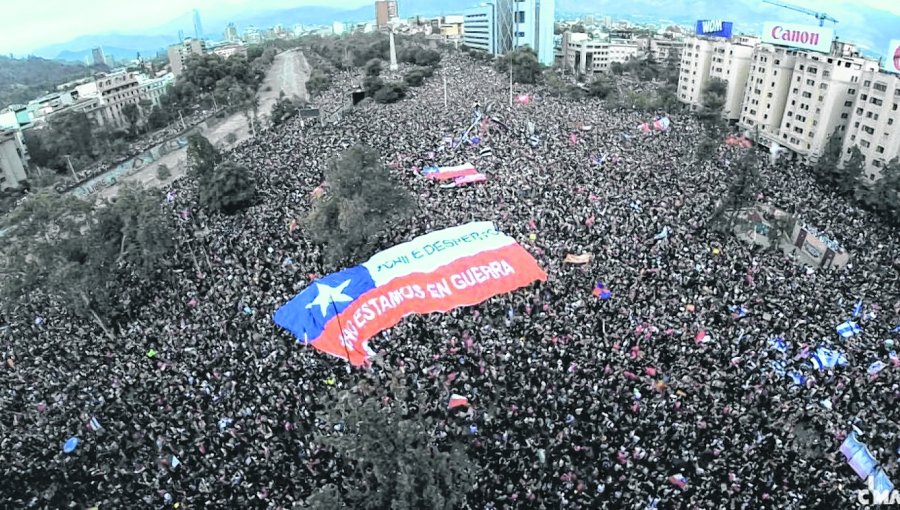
pixel 385 11
pixel 873 124
pixel 227 51
pixel 178 53
pixel 581 54
pixel 479 30
pixel 198 27
pixel 97 57
pixel 231 33
pixel 12 159
pixel 506 24
pixel 252 35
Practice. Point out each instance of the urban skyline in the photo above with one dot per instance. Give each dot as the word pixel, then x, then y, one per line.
pixel 23 34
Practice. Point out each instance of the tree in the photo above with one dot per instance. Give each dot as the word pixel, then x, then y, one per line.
pixel 363 199
pixel 373 67
pixel 617 68
pixel 228 189
pixel 427 57
pixel 390 92
pixel 851 171
pixel 94 260
pixel 132 115
pixel 201 155
pixel 414 78
pixel 712 101
pixel 600 88
pixel 389 455
pixel 318 82
pixel 163 172
pixel 372 84
pixel 284 109
pixel 745 182
pixel 525 65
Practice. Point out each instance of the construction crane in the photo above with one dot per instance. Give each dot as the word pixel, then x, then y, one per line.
pixel 821 16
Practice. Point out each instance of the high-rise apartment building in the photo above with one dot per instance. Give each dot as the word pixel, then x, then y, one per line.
pixel 178 53
pixel 231 33
pixel 873 125
pixel 820 100
pixel 385 11
pixel 768 84
pixel 704 59
pixel 693 75
pixel 198 27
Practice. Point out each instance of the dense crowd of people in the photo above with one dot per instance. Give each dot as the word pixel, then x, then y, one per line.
pixel 661 396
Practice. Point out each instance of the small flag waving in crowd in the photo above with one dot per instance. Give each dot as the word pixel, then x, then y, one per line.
pixel 442 173
pixel 858 308
pixel 523 99
pixel 825 358
pixel 601 291
pixel 848 329
pixel 457 401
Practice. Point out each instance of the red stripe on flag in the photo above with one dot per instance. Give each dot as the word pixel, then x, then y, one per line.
pixel 462 282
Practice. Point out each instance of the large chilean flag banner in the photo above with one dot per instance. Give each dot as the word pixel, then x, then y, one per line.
pixel 437 272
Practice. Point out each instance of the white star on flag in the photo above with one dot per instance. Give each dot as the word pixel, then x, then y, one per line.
pixel 328 295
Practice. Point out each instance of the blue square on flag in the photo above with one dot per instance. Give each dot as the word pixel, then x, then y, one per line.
pixel 848 329
pixel 307 314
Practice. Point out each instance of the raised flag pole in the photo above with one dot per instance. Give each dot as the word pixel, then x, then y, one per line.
pixel 337 317
pixel 445 92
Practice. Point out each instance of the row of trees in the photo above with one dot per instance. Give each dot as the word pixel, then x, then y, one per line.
pixel 368 52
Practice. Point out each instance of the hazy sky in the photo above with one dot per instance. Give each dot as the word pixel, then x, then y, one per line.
pixel 29 24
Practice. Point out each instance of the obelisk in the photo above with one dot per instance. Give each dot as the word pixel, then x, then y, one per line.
pixel 394 65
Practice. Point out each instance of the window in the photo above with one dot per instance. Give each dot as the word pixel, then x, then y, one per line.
pixel 867 83
pixel 844 115
pixel 859 111
pixel 848 104
pixel 810 82
pixel 876 163
pixel 879 149
pixel 880 87
pixel 813 70
pixel 890 122
pixel 865 143
pixel 823 86
pixel 851 91
pixel 876 101
pixel 520 17
pixel 863 96
pixel 806 95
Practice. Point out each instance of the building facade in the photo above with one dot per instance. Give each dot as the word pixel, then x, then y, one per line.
pixel 500 26
pixel 730 62
pixel 385 11
pixel 820 100
pixel 479 29
pixel 768 84
pixel 178 53
pixel 97 57
pixel 227 51
pixel 693 75
pixel 587 56
pixel 231 33
pixel 873 124
pixel 12 160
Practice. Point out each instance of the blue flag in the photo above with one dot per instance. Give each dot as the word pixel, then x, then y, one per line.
pixel 857 310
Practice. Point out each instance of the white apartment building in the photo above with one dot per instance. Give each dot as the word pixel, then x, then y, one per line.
pixel 731 63
pixel 768 85
pixel 178 53
pixel 873 125
pixel 12 159
pixel 821 99
pixel 704 59
pixel 696 57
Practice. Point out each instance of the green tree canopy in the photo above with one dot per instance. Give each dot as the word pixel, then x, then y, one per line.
pixel 363 199
pixel 390 457
pixel 201 155
pixel 525 65
pixel 228 188
pixel 92 259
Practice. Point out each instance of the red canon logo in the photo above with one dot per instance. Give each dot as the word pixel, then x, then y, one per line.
pixel 897 58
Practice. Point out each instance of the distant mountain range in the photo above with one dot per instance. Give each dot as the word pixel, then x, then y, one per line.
pixel 870 28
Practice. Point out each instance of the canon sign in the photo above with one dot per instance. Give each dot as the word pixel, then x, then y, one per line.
pixel 892 62
pixel 805 37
